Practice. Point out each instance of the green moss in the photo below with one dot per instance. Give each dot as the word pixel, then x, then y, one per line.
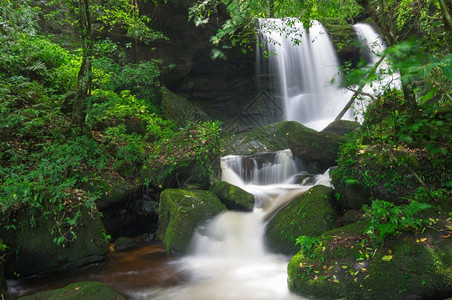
pixel 310 214
pixel 181 212
pixel 345 266
pixel 33 250
pixel 233 197
pixel 78 290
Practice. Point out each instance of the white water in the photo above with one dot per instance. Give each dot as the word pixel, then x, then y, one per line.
pixel 307 71
pixel 229 260
pixel 373 49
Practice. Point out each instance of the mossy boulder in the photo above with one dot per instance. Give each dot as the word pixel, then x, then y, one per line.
pixel 344 265
pixel 180 110
pixel 341 127
pixel 124 242
pixel 313 146
pixel 268 138
pixel 32 248
pixel 311 214
pixel 181 212
pixel 234 197
pixel 78 291
pixel 113 189
pixel 383 173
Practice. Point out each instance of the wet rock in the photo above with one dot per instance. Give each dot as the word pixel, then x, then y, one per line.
pixel 148 237
pixel 32 248
pixel 404 268
pixel 180 110
pixel 309 214
pixel 268 138
pixel 352 216
pixel 382 174
pixel 233 196
pixel 181 212
pixel 123 242
pixel 341 127
pixel 313 146
pixel 78 291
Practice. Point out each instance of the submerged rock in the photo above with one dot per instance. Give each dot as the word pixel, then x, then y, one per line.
pixel 32 248
pixel 309 214
pixel 233 196
pixel 344 265
pixel 78 290
pixel 181 212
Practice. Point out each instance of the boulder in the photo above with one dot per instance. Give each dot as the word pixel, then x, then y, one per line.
pixel 311 214
pixel 313 146
pixel 32 249
pixel 181 212
pixel 344 265
pixel 386 174
pixel 233 196
pixel 268 138
pixel 78 291
pixel 126 211
pixel 179 110
pixel 124 242
pixel 341 127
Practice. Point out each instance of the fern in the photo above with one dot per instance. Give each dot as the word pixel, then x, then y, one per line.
pixel 388 219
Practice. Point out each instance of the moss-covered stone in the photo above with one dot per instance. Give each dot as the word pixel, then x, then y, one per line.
pixel 124 242
pixel 180 110
pixel 233 196
pixel 341 127
pixel 345 266
pixel 310 145
pixel 258 140
pixel 181 212
pixel 310 214
pixel 382 174
pixel 32 249
pixel 78 291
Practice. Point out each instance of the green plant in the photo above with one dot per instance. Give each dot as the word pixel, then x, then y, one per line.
pixel 307 244
pixel 387 219
pixel 195 145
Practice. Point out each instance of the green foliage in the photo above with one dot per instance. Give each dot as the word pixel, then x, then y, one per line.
pixel 387 219
pixel 308 243
pixel 239 28
pixel 195 145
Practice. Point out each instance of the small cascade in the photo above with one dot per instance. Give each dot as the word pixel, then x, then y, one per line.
pixel 305 69
pixel 229 259
pixel 268 168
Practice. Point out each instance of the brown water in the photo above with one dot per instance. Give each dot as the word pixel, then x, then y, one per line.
pixel 127 272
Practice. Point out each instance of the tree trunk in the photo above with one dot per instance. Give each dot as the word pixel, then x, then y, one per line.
pixel 271 5
pixel 446 7
pixel 85 73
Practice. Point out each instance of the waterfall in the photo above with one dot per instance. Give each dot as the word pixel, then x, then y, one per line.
pixel 373 48
pixel 306 71
pixel 228 257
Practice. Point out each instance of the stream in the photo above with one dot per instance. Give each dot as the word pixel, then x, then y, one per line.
pixel 228 258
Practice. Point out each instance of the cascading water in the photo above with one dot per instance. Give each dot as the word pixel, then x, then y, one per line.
pixel 307 71
pixel 373 49
pixel 229 259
